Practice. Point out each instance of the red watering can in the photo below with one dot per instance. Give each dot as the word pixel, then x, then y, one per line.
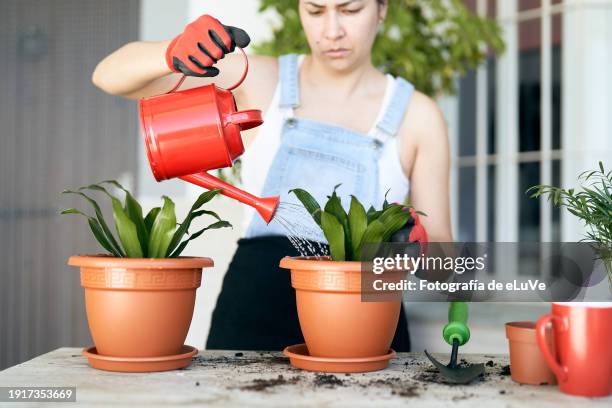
pixel 188 133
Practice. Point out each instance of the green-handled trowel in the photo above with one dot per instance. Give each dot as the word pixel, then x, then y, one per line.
pixel 456 333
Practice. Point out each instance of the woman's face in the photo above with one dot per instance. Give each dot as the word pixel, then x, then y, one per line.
pixel 341 32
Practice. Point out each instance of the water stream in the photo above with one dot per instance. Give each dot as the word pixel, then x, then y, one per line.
pixel 297 232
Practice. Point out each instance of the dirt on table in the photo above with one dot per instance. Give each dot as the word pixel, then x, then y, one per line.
pixel 260 384
pixel 415 377
pixel 327 380
pixel 238 360
pixel 505 371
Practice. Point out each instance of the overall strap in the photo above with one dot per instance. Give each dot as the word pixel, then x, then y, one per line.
pixel 392 118
pixel 289 85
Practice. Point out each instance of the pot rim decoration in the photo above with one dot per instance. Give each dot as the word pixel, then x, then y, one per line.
pixel 109 272
pixel 109 261
pixel 316 263
pixel 320 273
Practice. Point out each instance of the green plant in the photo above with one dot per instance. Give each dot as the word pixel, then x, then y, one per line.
pixel 593 205
pixel 155 235
pixel 347 233
pixel 427 42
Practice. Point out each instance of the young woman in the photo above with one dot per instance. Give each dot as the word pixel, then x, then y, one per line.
pixel 330 118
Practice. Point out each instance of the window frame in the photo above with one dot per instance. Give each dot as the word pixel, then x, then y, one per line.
pixel 507 156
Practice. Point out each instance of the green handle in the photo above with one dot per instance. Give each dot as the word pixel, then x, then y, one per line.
pixel 457 324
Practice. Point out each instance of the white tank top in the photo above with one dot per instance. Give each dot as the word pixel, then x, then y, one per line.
pixel 258 157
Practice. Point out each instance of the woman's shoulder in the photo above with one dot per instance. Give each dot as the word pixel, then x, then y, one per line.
pixel 423 131
pixel 422 114
pixel 423 106
pixel 423 122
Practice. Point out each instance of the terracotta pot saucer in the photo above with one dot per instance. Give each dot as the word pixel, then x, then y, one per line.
pixel 298 356
pixel 140 364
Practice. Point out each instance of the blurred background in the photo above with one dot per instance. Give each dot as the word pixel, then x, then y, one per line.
pixel 538 112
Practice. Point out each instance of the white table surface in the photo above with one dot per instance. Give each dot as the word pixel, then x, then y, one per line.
pixel 257 379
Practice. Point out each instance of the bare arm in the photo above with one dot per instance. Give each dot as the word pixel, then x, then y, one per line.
pixel 425 146
pixel 139 69
pixel 134 70
pixel 145 68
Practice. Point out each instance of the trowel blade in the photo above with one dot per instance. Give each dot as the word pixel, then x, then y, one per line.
pixel 458 375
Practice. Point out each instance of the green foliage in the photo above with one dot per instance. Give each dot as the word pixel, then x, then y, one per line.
pixel 426 42
pixel 348 233
pixel 592 205
pixel 153 236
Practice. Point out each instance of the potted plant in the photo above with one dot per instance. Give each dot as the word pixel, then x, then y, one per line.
pixel 334 321
pixel 140 295
pixel 593 205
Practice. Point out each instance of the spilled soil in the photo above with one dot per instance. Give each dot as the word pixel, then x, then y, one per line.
pixel 327 380
pixel 408 377
pixel 260 384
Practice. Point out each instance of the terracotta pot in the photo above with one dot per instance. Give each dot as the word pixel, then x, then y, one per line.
pixel 334 320
pixel 527 364
pixel 139 307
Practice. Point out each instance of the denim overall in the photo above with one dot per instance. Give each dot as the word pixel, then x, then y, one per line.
pixel 317 156
pixel 256 308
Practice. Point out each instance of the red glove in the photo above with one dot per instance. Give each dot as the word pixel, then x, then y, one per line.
pixel 201 44
pixel 418 232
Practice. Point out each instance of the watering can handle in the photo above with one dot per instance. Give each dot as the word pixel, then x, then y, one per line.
pixel 231 88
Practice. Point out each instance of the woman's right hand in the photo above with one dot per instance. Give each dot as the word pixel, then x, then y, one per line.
pixel 202 43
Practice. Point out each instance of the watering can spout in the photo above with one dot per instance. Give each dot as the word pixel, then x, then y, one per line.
pixel 266 207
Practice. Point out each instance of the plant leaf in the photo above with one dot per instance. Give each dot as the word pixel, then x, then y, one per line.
pixel 386 203
pixel 381 229
pixel 150 218
pixel 332 228
pixel 372 235
pixel 373 214
pixel 309 202
pixel 334 207
pixel 394 223
pixel 132 208
pixel 390 211
pixel 100 217
pixel 134 212
pixel 358 222
pixel 182 245
pixel 162 230
pixel 96 229
pixel 127 231
pixel 184 227
pixel 204 198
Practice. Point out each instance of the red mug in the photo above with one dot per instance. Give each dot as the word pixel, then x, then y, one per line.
pixel 582 335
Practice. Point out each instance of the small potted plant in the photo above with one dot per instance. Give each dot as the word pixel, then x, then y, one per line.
pixel 140 295
pixel 593 205
pixel 334 321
